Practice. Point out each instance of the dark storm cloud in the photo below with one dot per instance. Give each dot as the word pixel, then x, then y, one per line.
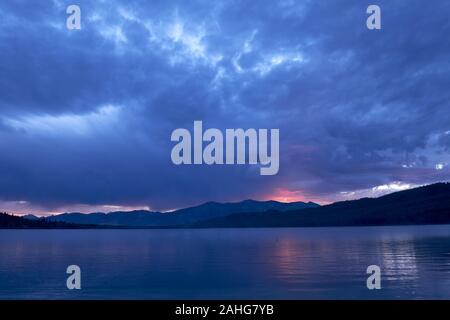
pixel 86 115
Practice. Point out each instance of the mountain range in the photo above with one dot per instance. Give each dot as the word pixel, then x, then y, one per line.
pixel 424 205
pixel 181 217
pixel 9 221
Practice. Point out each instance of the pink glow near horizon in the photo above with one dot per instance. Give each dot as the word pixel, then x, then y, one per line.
pixel 280 194
pixel 21 208
pixel 286 195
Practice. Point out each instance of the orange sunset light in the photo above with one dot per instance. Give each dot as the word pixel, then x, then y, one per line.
pixel 286 195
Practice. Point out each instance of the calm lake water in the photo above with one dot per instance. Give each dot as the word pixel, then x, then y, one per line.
pixel 301 263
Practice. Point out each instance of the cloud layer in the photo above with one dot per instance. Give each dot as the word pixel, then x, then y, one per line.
pixel 86 115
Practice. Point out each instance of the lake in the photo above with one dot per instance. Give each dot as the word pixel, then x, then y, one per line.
pixel 290 263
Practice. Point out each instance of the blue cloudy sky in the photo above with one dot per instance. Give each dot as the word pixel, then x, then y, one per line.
pixel 86 115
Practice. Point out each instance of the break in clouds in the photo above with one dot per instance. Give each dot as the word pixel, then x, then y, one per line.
pixel 86 115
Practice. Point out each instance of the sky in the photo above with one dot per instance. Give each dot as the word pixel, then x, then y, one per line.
pixel 86 115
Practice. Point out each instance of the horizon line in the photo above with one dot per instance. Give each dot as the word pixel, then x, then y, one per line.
pixel 217 202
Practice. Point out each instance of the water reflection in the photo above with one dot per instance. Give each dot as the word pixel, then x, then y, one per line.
pixel 324 263
pixel 399 260
pixel 339 259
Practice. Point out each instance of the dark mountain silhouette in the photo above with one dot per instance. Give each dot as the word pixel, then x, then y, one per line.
pixel 8 221
pixel 182 217
pixel 118 218
pixel 214 209
pixel 30 217
pixel 424 205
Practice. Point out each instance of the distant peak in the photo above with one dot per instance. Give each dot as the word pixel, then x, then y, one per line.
pixel 249 200
pixel 30 217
